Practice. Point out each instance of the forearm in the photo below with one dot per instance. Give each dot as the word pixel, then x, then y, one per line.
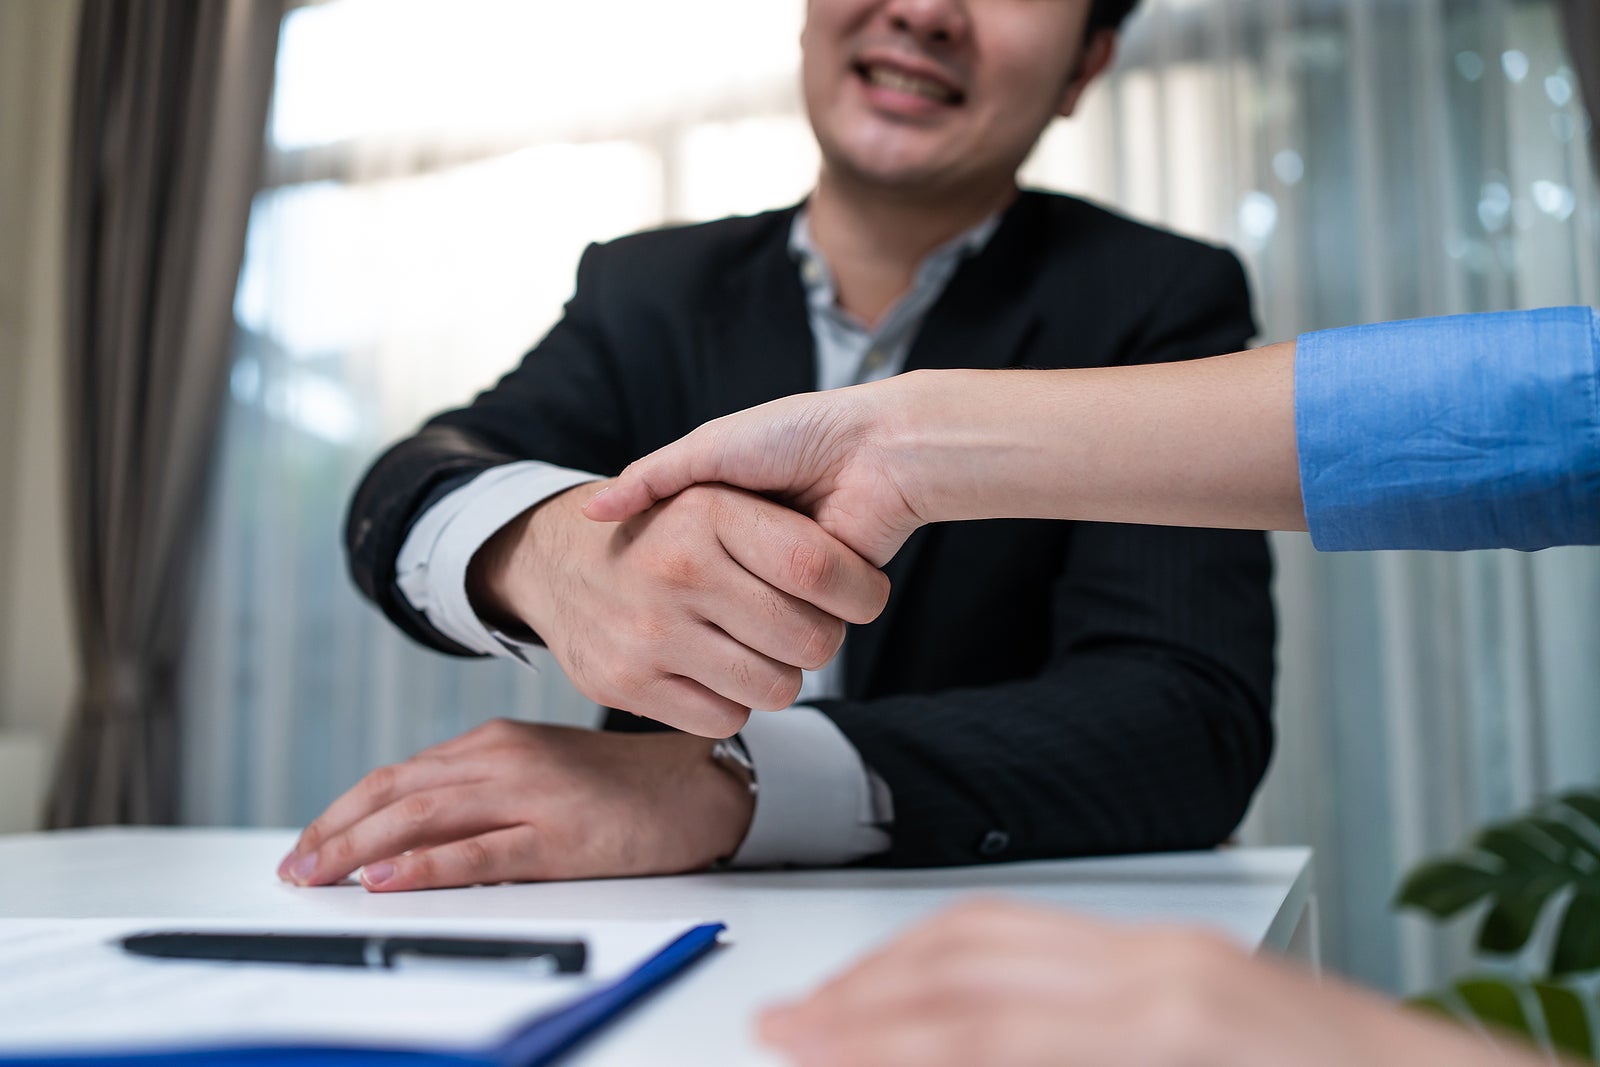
pixel 1201 443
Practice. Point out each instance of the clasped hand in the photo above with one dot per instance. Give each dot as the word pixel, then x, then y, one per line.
pixel 693 612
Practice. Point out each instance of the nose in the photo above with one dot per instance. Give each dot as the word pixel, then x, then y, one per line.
pixel 931 22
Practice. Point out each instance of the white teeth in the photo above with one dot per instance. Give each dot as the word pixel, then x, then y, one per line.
pixel 909 83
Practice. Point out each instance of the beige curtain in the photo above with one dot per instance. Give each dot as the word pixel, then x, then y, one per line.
pixel 1581 18
pixel 170 103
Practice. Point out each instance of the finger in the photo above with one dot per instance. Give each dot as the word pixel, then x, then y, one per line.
pixel 993 980
pixel 734 671
pixel 506 854
pixel 794 554
pixel 1002 1037
pixel 375 791
pixel 766 620
pixel 418 819
pixel 626 495
pixel 687 705
pixel 955 949
pixel 664 473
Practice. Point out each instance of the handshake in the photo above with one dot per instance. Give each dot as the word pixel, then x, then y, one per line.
pixel 680 592
pixel 740 552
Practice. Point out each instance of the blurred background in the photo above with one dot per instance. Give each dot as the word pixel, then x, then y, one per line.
pixel 431 171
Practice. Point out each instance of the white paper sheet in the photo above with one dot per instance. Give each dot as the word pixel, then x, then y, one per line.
pixel 68 985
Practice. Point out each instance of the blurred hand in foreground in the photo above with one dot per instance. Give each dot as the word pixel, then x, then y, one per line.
pixel 997 983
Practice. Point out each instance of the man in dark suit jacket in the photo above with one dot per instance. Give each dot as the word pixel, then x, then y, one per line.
pixel 1031 689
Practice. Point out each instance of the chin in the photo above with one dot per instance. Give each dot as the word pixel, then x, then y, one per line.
pixel 890 167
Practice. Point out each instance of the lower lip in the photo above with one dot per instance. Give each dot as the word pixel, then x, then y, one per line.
pixel 900 104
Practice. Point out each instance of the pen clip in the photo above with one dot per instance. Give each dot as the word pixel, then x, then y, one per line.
pixel 412 962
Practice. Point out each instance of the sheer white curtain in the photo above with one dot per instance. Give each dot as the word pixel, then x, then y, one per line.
pixel 438 167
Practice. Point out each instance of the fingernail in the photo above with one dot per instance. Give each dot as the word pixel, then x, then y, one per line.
pixel 301 868
pixel 283 866
pixel 377 873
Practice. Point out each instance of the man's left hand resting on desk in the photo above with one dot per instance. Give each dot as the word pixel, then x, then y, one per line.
pixel 512 801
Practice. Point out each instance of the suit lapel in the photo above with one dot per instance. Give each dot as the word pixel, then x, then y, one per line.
pixel 758 339
pixel 983 321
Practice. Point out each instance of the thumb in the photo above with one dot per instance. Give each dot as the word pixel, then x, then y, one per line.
pixel 642 484
pixel 622 498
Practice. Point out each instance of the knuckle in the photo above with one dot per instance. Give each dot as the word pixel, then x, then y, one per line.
pixel 675 567
pixel 338 853
pixel 419 869
pixel 812 567
pixel 383 783
pixel 782 691
pixel 720 722
pixel 311 838
pixel 822 643
pixel 477 860
pixel 500 728
pixel 417 810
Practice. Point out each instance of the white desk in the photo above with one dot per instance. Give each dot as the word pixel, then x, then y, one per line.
pixel 790 929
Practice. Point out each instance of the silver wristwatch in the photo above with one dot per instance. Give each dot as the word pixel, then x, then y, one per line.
pixel 731 755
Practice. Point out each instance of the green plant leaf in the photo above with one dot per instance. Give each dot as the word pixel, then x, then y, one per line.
pixel 1585 804
pixel 1446 886
pixel 1570 839
pixel 1521 843
pixel 1520 866
pixel 1578 941
pixel 1496 1003
pixel 1510 922
pixel 1566 1021
pixel 1548 1015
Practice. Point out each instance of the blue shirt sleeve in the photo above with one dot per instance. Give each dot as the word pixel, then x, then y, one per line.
pixel 1473 431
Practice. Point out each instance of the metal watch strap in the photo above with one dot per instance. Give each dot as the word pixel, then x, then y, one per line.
pixel 731 755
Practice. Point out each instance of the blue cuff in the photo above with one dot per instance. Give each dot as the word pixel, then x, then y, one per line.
pixel 1474 431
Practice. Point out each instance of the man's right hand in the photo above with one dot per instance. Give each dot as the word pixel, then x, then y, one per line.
pixel 705 605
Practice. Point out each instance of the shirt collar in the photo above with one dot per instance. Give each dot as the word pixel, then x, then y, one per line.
pixel 935 269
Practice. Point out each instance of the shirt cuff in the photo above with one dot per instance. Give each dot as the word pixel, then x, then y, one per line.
pixel 1472 431
pixel 817 804
pixel 432 568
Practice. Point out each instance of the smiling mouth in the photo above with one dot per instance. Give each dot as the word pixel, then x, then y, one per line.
pixel 900 81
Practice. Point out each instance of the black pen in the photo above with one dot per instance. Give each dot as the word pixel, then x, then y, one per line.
pixel 360 950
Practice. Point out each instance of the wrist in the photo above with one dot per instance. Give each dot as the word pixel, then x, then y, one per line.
pixel 724 794
pixel 930 444
pixel 506 577
pixel 488 574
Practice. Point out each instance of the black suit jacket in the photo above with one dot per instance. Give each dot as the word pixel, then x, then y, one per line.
pixel 1033 688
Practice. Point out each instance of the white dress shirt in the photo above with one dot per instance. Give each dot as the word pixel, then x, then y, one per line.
pixel 818 803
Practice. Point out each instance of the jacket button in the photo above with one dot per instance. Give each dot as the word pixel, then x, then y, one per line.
pixel 994 842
